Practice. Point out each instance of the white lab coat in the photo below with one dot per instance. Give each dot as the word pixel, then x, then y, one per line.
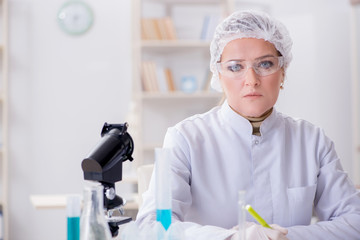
pixel 286 171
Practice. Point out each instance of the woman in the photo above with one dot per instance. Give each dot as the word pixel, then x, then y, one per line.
pixel 287 166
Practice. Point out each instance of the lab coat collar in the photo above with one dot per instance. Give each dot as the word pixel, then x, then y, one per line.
pixel 242 125
pixel 235 120
pixel 269 123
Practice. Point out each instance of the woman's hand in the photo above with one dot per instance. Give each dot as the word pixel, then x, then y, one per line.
pixel 258 232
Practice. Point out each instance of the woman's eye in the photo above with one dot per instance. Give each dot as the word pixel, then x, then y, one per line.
pixel 266 64
pixel 235 67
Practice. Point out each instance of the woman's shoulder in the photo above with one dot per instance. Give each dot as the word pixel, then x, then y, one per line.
pixel 202 119
pixel 299 124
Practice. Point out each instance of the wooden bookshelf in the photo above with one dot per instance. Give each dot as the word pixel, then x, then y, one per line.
pixel 156 110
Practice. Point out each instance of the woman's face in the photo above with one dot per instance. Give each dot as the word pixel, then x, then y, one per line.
pixel 251 95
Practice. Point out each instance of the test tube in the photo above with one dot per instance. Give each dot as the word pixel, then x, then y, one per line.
pixel 241 215
pixel 163 186
pixel 73 217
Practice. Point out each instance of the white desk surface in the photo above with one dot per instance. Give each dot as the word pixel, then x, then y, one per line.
pixel 48 201
pixel 54 201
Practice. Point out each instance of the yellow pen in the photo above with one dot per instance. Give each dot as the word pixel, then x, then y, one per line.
pixel 257 216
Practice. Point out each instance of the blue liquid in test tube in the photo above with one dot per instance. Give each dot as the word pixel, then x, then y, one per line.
pixel 73 224
pixel 73 217
pixel 164 216
pixel 163 186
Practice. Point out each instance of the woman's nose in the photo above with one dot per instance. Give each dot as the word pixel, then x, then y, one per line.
pixel 251 78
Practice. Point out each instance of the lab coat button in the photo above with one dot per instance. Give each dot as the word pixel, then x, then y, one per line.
pixel 256 142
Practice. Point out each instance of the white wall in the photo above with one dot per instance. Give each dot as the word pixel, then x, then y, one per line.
pixel 63 88
pixel 318 84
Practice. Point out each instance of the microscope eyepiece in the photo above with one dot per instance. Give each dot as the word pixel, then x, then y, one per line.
pixel 121 127
pixel 104 163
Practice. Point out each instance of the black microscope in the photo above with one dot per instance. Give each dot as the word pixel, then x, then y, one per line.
pixel 104 165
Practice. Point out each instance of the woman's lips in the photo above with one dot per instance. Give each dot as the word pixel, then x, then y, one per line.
pixel 253 95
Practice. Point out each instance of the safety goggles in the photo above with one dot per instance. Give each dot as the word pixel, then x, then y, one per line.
pixel 263 66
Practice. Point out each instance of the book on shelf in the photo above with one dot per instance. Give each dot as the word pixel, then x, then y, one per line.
pixel 148 76
pixel 170 28
pixel 170 80
pixel 161 78
pixel 208 27
pixel 163 32
pixel 149 31
pixel 156 78
pixel 153 76
pixel 158 29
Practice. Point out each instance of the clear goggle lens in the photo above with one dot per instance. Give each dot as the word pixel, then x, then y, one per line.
pixel 262 67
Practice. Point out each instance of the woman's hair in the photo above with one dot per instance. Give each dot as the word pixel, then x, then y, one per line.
pixel 248 24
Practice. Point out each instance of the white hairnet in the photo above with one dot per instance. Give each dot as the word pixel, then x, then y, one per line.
pixel 248 24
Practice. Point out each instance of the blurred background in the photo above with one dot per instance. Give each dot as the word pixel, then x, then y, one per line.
pixel 63 87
